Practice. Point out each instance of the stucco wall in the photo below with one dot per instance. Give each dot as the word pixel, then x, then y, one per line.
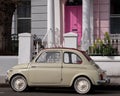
pixel 101 17
pixel 111 64
pixel 6 62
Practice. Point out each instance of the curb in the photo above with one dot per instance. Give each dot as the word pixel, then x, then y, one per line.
pixel 4 85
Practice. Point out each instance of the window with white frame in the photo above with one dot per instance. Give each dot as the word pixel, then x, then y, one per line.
pixel 115 16
pixel 24 16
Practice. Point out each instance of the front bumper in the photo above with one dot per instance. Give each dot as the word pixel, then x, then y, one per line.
pixel 6 80
pixel 104 81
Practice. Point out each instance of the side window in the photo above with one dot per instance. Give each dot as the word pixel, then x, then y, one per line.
pixel 66 58
pixel 72 58
pixel 49 57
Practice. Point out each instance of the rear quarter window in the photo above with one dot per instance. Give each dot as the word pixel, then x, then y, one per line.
pixel 71 58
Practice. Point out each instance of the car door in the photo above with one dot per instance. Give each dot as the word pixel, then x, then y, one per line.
pixel 72 65
pixel 46 69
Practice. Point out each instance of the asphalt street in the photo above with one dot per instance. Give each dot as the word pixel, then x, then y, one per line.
pixel 101 91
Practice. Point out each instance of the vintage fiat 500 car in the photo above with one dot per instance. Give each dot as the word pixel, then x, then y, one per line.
pixel 58 67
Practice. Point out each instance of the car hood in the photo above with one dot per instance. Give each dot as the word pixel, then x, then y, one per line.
pixel 20 66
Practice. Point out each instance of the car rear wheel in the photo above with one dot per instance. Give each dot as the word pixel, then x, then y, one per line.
pixel 18 83
pixel 82 85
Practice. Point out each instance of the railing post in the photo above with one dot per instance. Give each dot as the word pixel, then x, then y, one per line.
pixel 25 48
pixel 70 40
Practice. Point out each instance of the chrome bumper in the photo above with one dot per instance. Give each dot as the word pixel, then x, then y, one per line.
pixel 104 81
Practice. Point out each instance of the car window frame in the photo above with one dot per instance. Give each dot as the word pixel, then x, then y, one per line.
pixel 72 53
pixel 56 51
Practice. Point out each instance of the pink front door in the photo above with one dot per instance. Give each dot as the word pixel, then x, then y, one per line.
pixel 73 20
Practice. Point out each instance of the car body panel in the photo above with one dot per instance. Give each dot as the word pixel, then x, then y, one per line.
pixel 45 74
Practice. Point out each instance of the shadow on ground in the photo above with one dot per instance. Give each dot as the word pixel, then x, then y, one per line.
pixel 98 90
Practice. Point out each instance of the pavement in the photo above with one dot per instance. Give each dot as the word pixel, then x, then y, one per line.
pixel 2 81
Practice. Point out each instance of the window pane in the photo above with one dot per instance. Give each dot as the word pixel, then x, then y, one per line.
pixel 115 26
pixel 24 9
pixel 73 2
pixel 66 58
pixel 75 59
pixel 42 58
pixel 114 16
pixel 24 25
pixel 71 58
pixel 49 57
pixel 115 7
pixel 53 57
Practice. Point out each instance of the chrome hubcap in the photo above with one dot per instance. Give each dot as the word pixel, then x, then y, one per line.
pixel 19 84
pixel 82 86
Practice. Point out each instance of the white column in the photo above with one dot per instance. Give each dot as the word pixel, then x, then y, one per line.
pixel 91 22
pixel 85 25
pixel 57 13
pixel 50 23
pixel 57 22
pixel 25 48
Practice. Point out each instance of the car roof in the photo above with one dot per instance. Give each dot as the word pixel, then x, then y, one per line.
pixel 62 48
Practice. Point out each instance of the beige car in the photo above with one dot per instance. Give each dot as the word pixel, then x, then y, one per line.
pixel 58 67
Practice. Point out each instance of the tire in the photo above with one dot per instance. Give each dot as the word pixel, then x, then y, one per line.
pixel 18 83
pixel 82 85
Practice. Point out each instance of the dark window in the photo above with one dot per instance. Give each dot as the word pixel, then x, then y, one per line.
pixel 24 9
pixel 115 7
pixel 24 16
pixel 115 25
pixel 73 2
pixel 115 16
pixel 24 25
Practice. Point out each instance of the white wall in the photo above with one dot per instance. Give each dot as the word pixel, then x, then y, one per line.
pixel 111 64
pixel 6 62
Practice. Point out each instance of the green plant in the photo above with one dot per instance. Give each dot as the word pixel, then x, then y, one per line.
pixel 103 47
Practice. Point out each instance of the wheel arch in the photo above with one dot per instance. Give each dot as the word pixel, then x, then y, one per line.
pixel 18 74
pixel 73 81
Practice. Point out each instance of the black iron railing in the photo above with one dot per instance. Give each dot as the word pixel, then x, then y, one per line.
pixel 9 46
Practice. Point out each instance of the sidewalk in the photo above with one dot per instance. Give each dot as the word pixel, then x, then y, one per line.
pixel 2 81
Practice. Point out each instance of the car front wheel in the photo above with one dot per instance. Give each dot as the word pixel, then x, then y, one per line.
pixel 18 83
pixel 82 85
